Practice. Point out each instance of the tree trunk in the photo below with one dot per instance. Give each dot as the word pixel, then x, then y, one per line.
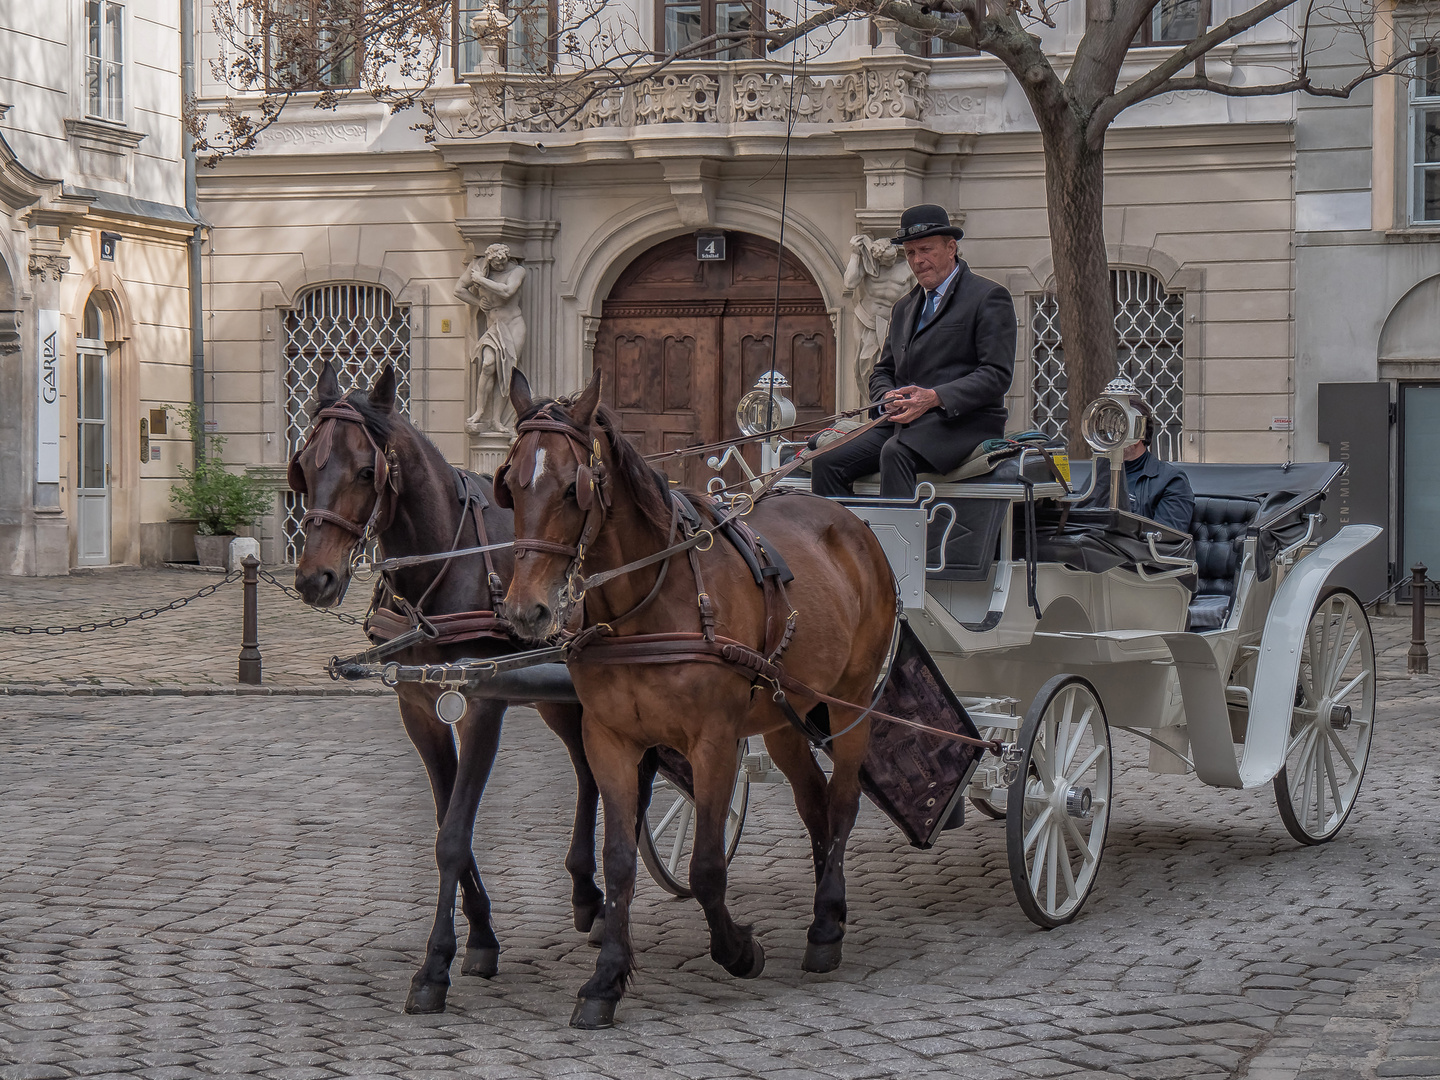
pixel 1075 199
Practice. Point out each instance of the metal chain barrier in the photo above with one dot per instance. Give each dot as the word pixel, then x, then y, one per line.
pixel 265 575
pixel 123 620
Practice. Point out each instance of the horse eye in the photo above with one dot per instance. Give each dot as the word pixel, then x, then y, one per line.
pixel 367 475
pixel 570 491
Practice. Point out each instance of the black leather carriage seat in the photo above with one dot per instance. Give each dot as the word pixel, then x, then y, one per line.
pixel 1218 525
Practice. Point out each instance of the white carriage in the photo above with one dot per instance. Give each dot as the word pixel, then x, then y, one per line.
pixel 1234 655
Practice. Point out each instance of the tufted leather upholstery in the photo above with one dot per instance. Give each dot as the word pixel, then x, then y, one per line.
pixel 1218 525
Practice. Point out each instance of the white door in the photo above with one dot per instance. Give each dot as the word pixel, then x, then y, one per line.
pixel 92 441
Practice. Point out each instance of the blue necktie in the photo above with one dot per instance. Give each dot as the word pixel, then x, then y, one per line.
pixel 932 301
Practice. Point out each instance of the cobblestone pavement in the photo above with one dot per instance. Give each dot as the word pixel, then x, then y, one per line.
pixel 195 887
pixel 194 648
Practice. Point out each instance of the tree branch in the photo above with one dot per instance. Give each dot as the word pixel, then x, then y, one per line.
pixel 1148 84
pixel 1302 83
pixel 778 40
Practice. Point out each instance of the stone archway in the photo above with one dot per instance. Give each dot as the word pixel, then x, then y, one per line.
pixel 681 341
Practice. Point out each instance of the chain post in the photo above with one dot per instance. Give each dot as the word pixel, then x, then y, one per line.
pixel 1417 661
pixel 249 670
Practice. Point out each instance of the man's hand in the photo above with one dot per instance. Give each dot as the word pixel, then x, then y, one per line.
pixel 908 403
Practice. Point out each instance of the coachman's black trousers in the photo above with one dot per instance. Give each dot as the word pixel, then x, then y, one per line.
pixel 833 473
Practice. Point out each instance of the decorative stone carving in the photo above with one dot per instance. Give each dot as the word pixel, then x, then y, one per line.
pixel 491 284
pixel 57 266
pixel 9 332
pixel 877 277
pixel 721 94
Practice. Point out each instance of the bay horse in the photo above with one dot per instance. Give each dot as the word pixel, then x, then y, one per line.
pixel 366 469
pixel 586 505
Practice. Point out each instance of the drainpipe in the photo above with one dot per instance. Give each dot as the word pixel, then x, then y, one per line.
pixel 197 312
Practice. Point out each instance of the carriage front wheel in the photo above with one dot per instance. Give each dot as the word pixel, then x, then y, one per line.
pixel 1331 724
pixel 1058 805
pixel 667 832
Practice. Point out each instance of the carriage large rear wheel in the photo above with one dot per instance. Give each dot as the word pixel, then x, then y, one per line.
pixel 667 833
pixel 1332 722
pixel 1058 805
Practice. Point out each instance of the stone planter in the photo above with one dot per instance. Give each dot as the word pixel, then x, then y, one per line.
pixel 213 550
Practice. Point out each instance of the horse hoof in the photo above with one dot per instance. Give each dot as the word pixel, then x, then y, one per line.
pixel 750 968
pixel 821 958
pixel 597 932
pixel 593 1014
pixel 586 917
pixel 484 962
pixel 426 998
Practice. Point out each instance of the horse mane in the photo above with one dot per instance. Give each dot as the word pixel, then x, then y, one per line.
pixel 648 488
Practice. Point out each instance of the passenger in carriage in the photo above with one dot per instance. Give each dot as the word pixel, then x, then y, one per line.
pixel 943 370
pixel 1155 489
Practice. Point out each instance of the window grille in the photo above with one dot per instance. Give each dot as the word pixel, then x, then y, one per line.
pixel 1150 331
pixel 359 329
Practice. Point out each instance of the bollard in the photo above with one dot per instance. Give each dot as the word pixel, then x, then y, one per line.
pixel 1417 661
pixel 250 631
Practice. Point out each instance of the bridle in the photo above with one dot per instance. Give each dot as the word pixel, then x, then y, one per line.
pixel 592 494
pixel 387 476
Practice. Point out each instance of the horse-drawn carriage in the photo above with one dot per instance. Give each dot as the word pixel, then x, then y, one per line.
pixel 1030 624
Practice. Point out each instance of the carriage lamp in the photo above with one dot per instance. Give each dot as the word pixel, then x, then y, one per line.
pixel 1111 423
pixel 765 409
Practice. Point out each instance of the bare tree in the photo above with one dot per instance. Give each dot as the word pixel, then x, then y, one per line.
pixel 598 48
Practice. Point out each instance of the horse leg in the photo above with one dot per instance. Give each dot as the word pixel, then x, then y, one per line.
pixel 827 931
pixel 479 740
pixel 792 755
pixel 616 762
pixel 586 900
pixel 733 947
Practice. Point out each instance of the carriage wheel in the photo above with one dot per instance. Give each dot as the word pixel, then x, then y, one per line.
pixel 1332 722
pixel 1058 806
pixel 667 833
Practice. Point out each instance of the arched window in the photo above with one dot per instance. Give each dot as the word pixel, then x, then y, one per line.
pixel 359 329
pixel 1150 332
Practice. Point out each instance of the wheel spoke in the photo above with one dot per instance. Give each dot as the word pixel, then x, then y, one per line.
pixel 1036 827
pixel 1351 685
pixel 1344 661
pixel 1334 737
pixel 1039 865
pixel 1082 728
pixel 1318 771
pixel 1305 733
pixel 1081 842
pixel 1330 775
pixel 1096 753
pixel 1052 858
pixel 682 829
pixel 1073 889
pixel 659 829
pixel 1305 769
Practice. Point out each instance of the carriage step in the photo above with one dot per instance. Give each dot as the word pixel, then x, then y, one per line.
pixel 760 769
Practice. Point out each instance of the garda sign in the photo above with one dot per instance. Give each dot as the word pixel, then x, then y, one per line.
pixel 47 403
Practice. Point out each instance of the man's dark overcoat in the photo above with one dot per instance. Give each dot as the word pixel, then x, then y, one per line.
pixel 966 354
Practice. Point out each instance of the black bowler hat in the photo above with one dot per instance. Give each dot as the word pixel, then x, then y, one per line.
pixel 924 220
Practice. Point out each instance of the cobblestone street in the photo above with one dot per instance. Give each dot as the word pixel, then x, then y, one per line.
pixel 234 886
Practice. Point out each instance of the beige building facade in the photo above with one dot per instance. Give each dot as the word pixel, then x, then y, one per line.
pixel 343 236
pixel 94 309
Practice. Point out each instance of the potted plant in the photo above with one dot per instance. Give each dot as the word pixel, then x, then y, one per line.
pixel 219 500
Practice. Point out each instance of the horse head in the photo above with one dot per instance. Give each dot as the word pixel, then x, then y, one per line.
pixel 553 478
pixel 350 479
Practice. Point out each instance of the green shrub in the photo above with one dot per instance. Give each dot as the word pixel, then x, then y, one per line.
pixel 219 500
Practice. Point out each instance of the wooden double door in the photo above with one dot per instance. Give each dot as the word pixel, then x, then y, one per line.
pixel 681 341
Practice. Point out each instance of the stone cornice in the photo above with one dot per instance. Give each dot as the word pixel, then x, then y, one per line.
pixel 103 137
pixel 19 187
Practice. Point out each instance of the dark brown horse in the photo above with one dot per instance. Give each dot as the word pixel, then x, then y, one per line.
pixel 372 466
pixel 576 483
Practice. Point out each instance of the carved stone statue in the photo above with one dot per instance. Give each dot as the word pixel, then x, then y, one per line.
pixel 877 277
pixel 492 284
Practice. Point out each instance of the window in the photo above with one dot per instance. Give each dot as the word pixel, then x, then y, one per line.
pixel 359 329
pixel 684 22
pixel 530 46
pixel 313 45
pixel 1150 332
pixel 105 60
pixel 1425 140
pixel 1172 22
pixel 914 43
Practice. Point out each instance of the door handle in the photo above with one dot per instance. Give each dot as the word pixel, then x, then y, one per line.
pixel 107 474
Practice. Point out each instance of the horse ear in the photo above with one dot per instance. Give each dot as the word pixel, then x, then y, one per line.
pixel 327 390
pixel 583 412
pixel 382 392
pixel 520 396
